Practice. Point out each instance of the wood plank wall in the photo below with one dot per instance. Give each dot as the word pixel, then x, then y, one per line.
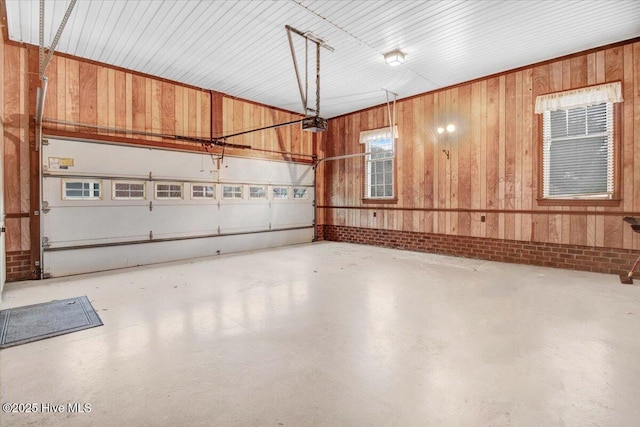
pixel 15 119
pixel 99 95
pixel 493 170
pixel 240 116
pixel 107 97
pixel 88 93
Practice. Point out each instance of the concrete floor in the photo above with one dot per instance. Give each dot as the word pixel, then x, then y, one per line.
pixel 338 335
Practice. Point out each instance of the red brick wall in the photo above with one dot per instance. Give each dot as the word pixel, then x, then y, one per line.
pixel 18 266
pixel 573 257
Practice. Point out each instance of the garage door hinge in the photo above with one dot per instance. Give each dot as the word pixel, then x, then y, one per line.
pixel 269 226
pixel 150 176
pixel 45 207
pixel 218 229
pixel 45 141
pixel 45 242
pixel 150 235
pixel 150 206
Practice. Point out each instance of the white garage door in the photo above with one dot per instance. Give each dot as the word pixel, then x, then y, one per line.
pixel 109 206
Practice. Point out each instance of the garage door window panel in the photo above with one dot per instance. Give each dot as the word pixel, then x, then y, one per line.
pixel 203 191
pixel 300 193
pixel 280 193
pixel 257 192
pixel 82 190
pixel 232 192
pixel 169 191
pixel 126 190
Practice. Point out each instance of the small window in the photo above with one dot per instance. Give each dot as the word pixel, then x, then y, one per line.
pixel 280 192
pixel 379 163
pixel 82 189
pixel 257 192
pixel 300 193
pixel 203 191
pixel 122 190
pixel 167 190
pixel 232 192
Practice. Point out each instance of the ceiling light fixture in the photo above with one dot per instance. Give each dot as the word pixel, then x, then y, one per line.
pixel 394 58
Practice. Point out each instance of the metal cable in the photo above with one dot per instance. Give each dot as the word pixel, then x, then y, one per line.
pixel 317 79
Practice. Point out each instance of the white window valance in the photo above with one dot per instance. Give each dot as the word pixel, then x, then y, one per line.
pixel 584 97
pixel 367 136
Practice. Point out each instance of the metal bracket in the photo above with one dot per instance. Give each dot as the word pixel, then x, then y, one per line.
pixel 309 37
pixel 45 242
pixel 150 206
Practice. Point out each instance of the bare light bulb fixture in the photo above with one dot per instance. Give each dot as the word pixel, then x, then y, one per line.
pixel 394 58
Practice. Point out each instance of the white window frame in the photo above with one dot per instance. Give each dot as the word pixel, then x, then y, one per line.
pixel 91 189
pixel 170 190
pixel 203 194
pixel 276 195
pixel 129 190
pixel 235 195
pixel 384 136
pixel 261 187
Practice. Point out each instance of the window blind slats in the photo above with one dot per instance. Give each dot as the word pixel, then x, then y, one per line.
pixel 578 152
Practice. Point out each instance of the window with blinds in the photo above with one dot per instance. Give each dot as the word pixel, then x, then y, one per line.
pixel 578 152
pixel 379 163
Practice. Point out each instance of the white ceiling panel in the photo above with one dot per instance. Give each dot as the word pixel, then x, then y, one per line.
pixel 241 48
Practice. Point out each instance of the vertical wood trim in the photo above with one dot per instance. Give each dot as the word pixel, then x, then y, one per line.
pixel 30 227
pixel 634 115
pixel 168 108
pixel 136 97
pixel 121 107
pixel 102 98
pixel 88 93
